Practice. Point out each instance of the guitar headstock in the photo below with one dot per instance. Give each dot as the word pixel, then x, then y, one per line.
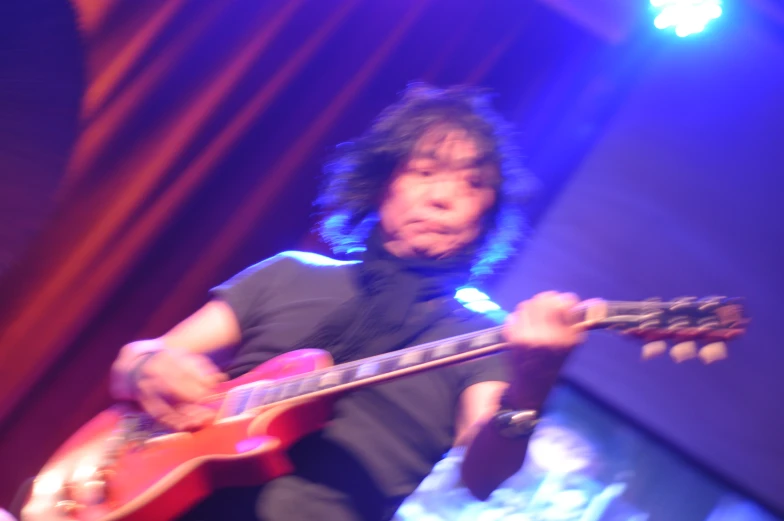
pixel 696 327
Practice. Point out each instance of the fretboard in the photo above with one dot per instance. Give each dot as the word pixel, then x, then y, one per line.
pixel 351 375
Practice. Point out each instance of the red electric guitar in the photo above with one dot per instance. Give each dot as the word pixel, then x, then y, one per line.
pixel 122 465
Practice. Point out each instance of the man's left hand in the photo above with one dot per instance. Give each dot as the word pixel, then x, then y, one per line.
pixel 542 332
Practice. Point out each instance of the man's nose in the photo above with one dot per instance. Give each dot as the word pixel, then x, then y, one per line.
pixel 443 191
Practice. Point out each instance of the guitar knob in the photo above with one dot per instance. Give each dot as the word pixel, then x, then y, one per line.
pixel 654 349
pixel 713 352
pixel 684 351
pixel 67 507
pixel 93 492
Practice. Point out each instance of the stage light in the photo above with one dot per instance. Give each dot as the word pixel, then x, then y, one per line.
pixel 685 16
pixel 555 448
pixel 475 300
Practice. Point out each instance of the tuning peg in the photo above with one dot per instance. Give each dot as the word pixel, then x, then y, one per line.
pixel 713 352
pixel 684 351
pixel 710 303
pixel 654 349
pixel 681 303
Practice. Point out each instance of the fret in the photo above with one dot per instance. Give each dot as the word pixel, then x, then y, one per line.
pixel 444 350
pixel 484 339
pixel 237 400
pixel 463 346
pixel 410 358
pixel 288 390
pixel 388 365
pixel 329 379
pixel 257 397
pixel 476 342
pixel 273 394
pixel 308 384
pixel 367 370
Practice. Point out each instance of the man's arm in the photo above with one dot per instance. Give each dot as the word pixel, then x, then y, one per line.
pixel 170 384
pixel 490 458
pixel 541 336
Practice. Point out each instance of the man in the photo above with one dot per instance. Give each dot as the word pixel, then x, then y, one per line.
pixel 428 192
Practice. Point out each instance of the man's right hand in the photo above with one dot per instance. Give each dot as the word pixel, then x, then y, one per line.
pixel 171 385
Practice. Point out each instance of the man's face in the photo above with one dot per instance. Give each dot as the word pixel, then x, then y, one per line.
pixel 435 200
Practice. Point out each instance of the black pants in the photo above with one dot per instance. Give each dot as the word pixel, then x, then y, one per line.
pixel 288 498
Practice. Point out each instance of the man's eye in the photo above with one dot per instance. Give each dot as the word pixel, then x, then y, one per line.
pixel 424 172
pixel 477 182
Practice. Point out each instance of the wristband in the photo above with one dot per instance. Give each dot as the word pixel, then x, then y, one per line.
pixel 515 424
pixel 138 364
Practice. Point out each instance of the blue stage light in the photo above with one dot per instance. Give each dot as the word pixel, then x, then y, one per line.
pixel 685 16
pixel 475 300
pixel 479 302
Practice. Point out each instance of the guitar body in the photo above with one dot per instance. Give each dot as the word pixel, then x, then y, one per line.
pixel 102 473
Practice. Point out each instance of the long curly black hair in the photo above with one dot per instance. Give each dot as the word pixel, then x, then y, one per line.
pixel 356 175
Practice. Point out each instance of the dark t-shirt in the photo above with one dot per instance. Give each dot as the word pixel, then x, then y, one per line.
pixel 384 439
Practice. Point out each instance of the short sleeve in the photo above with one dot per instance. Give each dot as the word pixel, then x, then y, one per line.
pixel 251 290
pixel 491 368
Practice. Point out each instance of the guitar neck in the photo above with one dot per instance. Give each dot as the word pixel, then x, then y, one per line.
pixel 388 366
pixel 711 318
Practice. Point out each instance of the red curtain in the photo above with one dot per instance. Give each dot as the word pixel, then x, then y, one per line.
pixel 203 126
